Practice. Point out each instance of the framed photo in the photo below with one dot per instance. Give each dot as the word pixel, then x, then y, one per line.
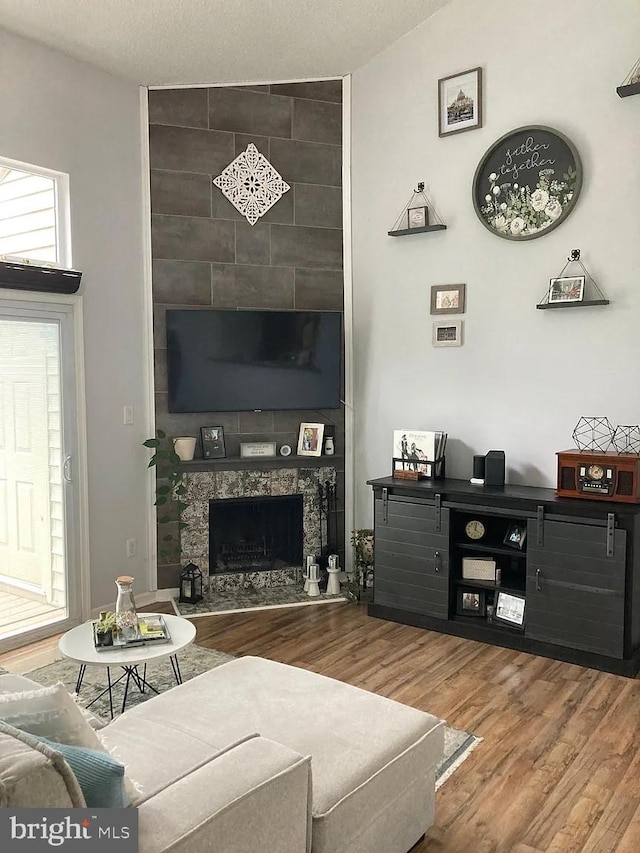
pixel 515 536
pixel 569 289
pixel 471 602
pixel 447 298
pixel 460 102
pixel 310 439
pixel 527 183
pixel 417 217
pixel 447 333
pixel 509 608
pixel 212 442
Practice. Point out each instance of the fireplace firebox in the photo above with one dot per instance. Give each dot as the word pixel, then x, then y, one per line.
pixel 255 534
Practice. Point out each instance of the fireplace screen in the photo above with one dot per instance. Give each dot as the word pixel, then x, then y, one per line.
pixel 255 534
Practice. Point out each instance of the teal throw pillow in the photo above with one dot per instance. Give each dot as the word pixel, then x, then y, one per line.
pixel 100 776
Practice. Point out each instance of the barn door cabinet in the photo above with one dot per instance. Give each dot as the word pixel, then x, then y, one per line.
pixel 577 569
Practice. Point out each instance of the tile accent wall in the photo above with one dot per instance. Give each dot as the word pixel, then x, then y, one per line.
pixel 206 254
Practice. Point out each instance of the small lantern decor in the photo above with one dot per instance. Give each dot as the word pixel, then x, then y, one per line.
pixel 190 584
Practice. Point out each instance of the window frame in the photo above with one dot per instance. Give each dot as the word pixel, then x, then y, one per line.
pixel 62 207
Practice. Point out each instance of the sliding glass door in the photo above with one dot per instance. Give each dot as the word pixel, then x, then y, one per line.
pixel 39 581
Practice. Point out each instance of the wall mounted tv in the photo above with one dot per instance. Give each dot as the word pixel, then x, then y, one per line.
pixel 239 361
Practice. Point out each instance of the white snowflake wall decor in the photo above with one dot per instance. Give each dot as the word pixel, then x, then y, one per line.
pixel 251 184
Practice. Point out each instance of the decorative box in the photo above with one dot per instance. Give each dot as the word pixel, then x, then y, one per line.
pixel 479 569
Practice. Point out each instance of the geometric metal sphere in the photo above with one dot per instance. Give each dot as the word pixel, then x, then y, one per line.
pixel 593 434
pixel 626 439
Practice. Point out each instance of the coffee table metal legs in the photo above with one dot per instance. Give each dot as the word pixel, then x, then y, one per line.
pixel 128 673
pixel 176 668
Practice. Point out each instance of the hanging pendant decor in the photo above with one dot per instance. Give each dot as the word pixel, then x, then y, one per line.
pixel 527 183
pixel 251 184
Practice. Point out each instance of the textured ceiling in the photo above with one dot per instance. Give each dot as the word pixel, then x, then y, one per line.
pixel 163 42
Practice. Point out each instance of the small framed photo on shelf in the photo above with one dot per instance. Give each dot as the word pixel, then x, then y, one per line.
pixel 417 217
pixel 460 102
pixel 447 333
pixel 310 439
pixel 569 289
pixel 471 602
pixel 515 536
pixel 212 442
pixel 509 609
pixel 447 298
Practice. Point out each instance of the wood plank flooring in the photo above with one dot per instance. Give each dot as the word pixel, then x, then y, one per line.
pixel 559 768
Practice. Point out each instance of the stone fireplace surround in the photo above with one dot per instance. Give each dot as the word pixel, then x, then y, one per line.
pixel 203 486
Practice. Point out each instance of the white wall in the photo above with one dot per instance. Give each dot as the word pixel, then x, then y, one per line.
pixel 66 115
pixel 523 377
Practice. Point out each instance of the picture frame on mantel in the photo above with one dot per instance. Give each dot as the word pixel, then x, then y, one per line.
pixel 460 102
pixel 212 438
pixel 310 439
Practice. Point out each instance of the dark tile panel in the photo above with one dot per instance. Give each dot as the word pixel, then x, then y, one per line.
pixel 319 290
pixel 169 577
pixel 184 149
pixel 318 90
pixel 184 107
pixel 160 371
pixel 317 205
pixel 295 246
pixel 188 238
pixel 307 162
pixel 252 243
pixel 183 282
pixel 174 423
pixel 243 139
pixel 183 193
pixel 282 210
pixel 317 121
pixel 243 111
pixel 256 422
pixel 290 421
pixel 252 287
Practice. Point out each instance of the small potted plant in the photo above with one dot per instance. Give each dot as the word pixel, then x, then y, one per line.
pixel 362 541
pixel 104 628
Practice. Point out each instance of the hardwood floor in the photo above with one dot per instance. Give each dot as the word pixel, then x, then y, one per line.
pixel 559 768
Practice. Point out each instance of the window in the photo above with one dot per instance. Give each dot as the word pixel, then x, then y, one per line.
pixel 33 210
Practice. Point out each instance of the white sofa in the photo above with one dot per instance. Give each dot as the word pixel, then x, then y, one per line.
pixel 256 756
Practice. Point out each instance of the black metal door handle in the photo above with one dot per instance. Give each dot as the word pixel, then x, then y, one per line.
pixel 538 576
pixel 436 561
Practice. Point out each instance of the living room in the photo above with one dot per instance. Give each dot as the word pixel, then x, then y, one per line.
pixel 520 381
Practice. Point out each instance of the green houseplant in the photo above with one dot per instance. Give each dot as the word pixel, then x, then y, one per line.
pixel 170 496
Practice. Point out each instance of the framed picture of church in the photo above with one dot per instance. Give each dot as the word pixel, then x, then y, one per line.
pixel 460 102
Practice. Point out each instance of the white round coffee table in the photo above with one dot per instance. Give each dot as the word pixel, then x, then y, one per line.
pixel 77 645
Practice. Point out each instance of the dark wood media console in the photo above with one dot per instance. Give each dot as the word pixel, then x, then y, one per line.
pixel 578 569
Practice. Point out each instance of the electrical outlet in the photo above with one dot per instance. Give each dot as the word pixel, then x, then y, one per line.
pixel 128 415
pixel 131 547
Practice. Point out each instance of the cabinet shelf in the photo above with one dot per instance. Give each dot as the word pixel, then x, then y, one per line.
pixel 490 628
pixel 510 586
pixel 403 232
pixel 496 550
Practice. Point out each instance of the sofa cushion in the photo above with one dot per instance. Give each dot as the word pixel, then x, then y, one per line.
pixel 101 777
pixel 33 775
pixel 352 734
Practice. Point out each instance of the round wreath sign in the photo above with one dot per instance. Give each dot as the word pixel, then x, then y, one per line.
pixel 527 183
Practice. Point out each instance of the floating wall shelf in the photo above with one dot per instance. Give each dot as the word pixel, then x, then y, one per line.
pixel 592 295
pixel 423 210
pixel 631 83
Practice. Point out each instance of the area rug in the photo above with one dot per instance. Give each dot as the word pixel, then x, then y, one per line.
pixel 240 600
pixel 195 660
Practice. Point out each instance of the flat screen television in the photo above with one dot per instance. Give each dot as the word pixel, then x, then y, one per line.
pixel 239 361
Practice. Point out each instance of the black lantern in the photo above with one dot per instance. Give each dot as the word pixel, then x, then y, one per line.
pixel 190 584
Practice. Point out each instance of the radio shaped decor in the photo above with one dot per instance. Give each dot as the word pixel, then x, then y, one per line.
pixel 598 475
